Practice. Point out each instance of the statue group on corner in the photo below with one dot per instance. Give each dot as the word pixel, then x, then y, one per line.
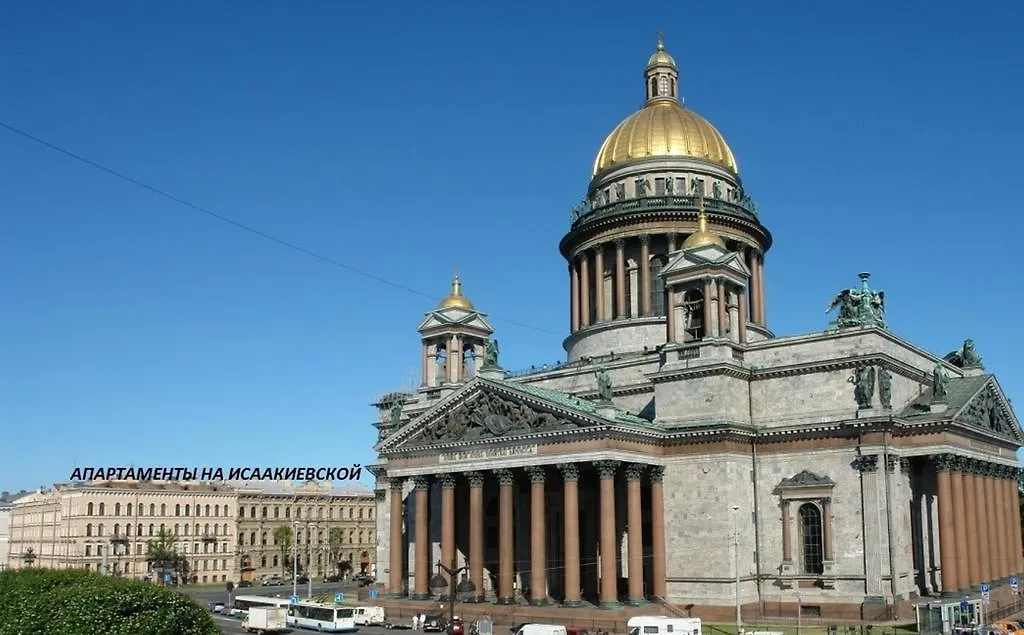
pixel 859 307
pixel 604 387
pixel 966 356
pixel 491 354
pixel 864 379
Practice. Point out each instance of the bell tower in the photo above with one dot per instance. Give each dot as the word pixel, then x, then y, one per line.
pixel 706 286
pixel 454 336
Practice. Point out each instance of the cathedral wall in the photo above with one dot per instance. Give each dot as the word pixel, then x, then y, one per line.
pixel 846 522
pixel 619 336
pixel 699 523
pixel 712 398
pixel 836 345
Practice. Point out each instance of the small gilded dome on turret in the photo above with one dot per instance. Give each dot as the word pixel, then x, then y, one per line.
pixel 703 237
pixel 455 299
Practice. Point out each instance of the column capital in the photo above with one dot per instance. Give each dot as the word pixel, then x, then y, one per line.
pixel 421 482
pixel 505 477
pixel 620 244
pixel 397 483
pixel 645 239
pixel 656 473
pixel 891 461
pixel 570 471
pixel 447 481
pixel 946 462
pixel 866 464
pixel 379 494
pixel 607 469
pixel 476 479
pixel 634 471
pixel 597 249
pixel 672 235
pixel 536 473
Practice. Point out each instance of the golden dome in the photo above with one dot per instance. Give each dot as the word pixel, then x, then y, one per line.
pixel 703 237
pixel 664 128
pixel 660 57
pixel 455 299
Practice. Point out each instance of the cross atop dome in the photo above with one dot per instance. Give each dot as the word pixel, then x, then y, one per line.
pixel 662 75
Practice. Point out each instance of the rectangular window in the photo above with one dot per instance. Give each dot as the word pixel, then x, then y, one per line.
pixel 659 187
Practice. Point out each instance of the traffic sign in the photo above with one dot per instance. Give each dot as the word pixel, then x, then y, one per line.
pixel 339 598
pixel 373 594
pixel 964 604
pixel 1013 584
pixel 985 588
pixel 294 599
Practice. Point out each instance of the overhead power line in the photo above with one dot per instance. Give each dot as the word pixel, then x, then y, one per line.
pixel 240 225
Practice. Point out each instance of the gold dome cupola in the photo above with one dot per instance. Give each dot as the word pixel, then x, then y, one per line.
pixel 661 75
pixel 703 237
pixel 455 299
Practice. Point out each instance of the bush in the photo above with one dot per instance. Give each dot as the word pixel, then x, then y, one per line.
pixel 76 602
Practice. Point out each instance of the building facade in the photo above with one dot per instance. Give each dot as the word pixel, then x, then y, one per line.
pixel 683 452
pixel 333 530
pixel 106 525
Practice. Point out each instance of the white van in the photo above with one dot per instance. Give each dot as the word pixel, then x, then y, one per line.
pixel 369 615
pixel 662 625
pixel 541 629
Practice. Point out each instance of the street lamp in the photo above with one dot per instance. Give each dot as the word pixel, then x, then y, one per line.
pixel 295 559
pixel 736 565
pixel 29 556
pixel 465 588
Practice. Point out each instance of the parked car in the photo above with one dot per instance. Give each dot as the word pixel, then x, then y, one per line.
pixel 217 607
pixel 363 579
pixel 302 579
pixel 244 584
pixel 332 578
pixel 434 624
pixel 273 581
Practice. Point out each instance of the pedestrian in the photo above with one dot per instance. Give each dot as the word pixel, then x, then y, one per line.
pixel 415 622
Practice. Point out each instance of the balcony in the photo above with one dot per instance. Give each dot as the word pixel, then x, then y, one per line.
pixel 584 213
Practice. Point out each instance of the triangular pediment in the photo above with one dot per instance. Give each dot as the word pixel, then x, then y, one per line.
pixel 485 409
pixel 988 409
pixel 444 318
pixel 709 256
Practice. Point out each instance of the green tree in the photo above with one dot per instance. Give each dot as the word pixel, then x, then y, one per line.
pixel 335 537
pixel 162 554
pixel 283 538
pixel 78 602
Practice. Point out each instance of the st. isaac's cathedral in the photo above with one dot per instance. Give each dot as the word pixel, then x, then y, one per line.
pixel 683 448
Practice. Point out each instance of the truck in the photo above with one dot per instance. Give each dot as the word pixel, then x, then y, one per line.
pixel 663 625
pixel 266 620
pixel 369 616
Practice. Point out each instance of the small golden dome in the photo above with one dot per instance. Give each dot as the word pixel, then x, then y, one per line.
pixel 661 58
pixel 703 237
pixel 455 299
pixel 664 129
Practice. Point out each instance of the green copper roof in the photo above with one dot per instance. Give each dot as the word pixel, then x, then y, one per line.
pixel 958 392
pixel 573 403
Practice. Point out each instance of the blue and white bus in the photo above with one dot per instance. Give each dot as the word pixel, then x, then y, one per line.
pixel 242 603
pixel 325 618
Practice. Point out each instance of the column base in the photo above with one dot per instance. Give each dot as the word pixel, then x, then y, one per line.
pixel 573 604
pixel 396 596
pixel 637 602
pixel 539 602
pixel 609 605
pixel 505 601
pixel 419 596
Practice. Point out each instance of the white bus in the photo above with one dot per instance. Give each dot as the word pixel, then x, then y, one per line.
pixel 242 603
pixel 326 618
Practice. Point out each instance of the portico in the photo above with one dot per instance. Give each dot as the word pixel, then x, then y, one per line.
pixel 559 535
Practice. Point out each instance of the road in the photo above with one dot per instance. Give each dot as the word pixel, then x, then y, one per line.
pixel 232 626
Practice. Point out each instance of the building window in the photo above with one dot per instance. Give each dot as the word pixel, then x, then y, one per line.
pixel 252 538
pixel 264 512
pixel 275 561
pixel 138 529
pixel 102 508
pixel 177 510
pixel 129 509
pixel 99 528
pixel 163 509
pixel 151 529
pixel 117 509
pixel 252 512
pixel 360 513
pixel 287 512
pixel 117 528
pixel 263 561
pixel 657 285
pixel 88 509
pixel 659 186
pixel 88 530
pixel 241 512
pixel 188 509
pixel 152 509
pixel 88 550
pixel 811 538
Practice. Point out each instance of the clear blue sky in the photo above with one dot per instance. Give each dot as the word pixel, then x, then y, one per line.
pixel 405 139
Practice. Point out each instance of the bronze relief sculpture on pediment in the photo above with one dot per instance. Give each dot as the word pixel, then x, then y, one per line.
pixel 490 416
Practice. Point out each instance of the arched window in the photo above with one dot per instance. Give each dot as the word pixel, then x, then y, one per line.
pixel 129 513
pixel 252 512
pixel 89 509
pixel 99 529
pixel 693 316
pixel 177 510
pixel 151 529
pixel 128 529
pixel 188 509
pixel 811 538
pixel 103 508
pixel 442 365
pixel 263 561
pixel 275 561
pixel 224 529
pixel 186 528
pixel 138 530
pixel 88 529
pixel 252 538
pixel 241 512
pixel 163 509
pixel 117 528
pixel 177 529
pixel 152 509
pixel 657 285
pixel 117 509
pixel 654 86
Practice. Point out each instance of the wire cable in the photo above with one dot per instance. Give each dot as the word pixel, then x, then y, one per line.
pixel 244 227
